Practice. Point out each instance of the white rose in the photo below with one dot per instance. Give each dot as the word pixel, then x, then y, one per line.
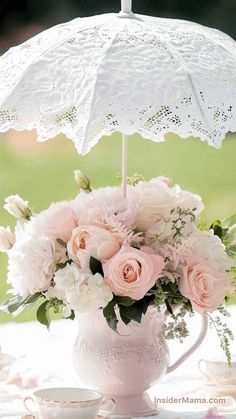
pixel 7 239
pixel 17 207
pixel 91 295
pixel 31 265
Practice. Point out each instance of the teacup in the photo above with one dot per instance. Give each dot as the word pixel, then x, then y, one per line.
pixel 218 372
pixel 67 403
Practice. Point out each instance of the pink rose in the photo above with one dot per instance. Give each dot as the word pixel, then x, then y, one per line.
pixel 57 221
pixel 132 272
pixel 96 240
pixel 202 285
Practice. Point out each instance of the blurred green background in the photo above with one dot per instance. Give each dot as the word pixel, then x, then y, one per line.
pixel 42 173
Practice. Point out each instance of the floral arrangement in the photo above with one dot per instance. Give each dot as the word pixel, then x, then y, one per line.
pixel 102 252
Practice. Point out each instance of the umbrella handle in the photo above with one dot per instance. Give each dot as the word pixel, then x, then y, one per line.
pixel 124 164
pixel 126 6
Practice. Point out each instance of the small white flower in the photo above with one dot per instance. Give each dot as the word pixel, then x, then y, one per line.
pixel 7 239
pixel 69 277
pixel 91 295
pixel 78 291
pixel 17 207
pixel 65 281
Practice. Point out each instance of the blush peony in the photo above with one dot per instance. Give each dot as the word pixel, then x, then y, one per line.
pixel 97 241
pixel 57 221
pixel 132 272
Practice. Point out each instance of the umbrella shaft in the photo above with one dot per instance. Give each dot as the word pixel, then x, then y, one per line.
pixel 124 164
pixel 126 6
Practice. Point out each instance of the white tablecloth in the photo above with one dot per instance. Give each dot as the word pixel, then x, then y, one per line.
pixel 46 356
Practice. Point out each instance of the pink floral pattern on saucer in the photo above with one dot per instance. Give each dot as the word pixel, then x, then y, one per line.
pixel 70 404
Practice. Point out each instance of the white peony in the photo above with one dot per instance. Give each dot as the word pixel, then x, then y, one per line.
pixel 7 239
pixel 17 207
pixel 95 240
pixel 31 265
pixel 187 200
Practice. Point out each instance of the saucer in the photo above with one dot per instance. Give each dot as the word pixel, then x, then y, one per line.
pixel 34 417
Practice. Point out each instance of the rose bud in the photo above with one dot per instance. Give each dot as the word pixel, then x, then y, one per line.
pixel 17 207
pixel 82 180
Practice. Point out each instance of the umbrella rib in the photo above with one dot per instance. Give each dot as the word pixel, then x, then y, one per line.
pixel 195 94
pixel 106 49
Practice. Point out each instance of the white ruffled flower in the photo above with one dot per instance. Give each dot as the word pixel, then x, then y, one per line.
pixel 7 239
pixel 91 295
pixel 154 201
pixel 31 265
pixel 17 207
pixel 202 244
pixel 80 292
pixel 66 280
pixel 210 247
pixel 161 231
pixel 102 203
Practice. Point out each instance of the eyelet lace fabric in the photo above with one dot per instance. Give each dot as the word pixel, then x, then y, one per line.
pixel 92 76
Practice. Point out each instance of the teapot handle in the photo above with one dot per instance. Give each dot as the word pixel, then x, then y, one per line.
pixel 193 348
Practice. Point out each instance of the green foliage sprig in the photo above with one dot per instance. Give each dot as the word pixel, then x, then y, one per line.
pixel 224 333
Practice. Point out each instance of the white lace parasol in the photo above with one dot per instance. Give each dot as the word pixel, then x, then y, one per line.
pixel 121 72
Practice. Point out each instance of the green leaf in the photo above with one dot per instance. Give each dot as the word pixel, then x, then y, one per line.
pixel 123 318
pixel 62 265
pixel 15 304
pixel 33 298
pixel 110 315
pixel 144 303
pixel 43 314
pixel 168 306
pixel 217 228
pixel 108 311
pixel 72 316
pixel 96 266
pixel 231 250
pixel 61 242
pixel 229 222
pixel 133 312
pixel 124 301
pixel 112 322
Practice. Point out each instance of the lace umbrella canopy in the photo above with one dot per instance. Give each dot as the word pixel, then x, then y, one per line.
pixel 121 72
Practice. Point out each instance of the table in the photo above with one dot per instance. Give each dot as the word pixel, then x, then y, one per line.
pixel 45 357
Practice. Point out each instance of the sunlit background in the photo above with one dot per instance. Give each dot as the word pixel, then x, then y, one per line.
pixel 42 173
